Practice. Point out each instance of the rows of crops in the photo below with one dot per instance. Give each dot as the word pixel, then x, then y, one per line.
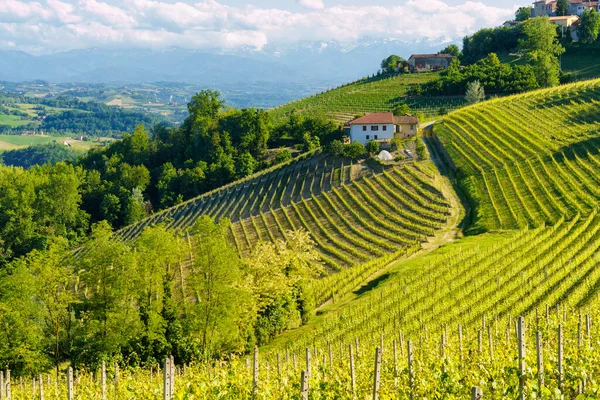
pixel 374 95
pixel 458 308
pixel 353 213
pixel 532 158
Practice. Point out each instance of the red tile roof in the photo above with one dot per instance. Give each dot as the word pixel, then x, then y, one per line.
pixel 374 118
pixel 439 55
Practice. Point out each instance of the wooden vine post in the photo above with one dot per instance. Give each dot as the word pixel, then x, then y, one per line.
pixel 540 360
pixel 70 393
pixel 1 385
pixel 377 373
pixel 522 366
pixel 103 378
pixel 172 366
pixel 304 385
pixel 411 377
pixel 560 358
pixel 255 373
pixel 7 385
pixel 167 379
pixel 352 375
pixel 41 378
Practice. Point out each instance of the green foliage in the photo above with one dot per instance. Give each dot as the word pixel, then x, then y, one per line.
pixel 372 148
pixel 589 28
pixel 402 109
pixel 494 40
pixel 523 14
pixel 475 92
pixel 541 48
pixel 355 150
pixel 283 155
pixel 37 155
pixel 493 76
pixel 391 63
pixel 562 7
pixel 421 149
pixel 452 49
pixel 336 149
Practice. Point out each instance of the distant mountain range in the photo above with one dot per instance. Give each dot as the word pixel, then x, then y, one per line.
pixel 319 63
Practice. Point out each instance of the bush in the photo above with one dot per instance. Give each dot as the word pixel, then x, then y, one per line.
pixel 373 147
pixel 283 155
pixel 355 150
pixel 336 148
pixel 397 144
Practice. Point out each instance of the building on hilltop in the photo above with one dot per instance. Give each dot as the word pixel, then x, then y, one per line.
pixel 576 7
pixel 382 127
pixel 544 8
pixel 429 62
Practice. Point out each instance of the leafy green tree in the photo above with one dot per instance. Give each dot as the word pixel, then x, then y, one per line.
pixel 402 109
pixel 475 92
pixel 219 317
pixel 541 49
pixel 355 150
pixel 110 208
pixel 589 28
pixel 245 165
pixel 373 147
pixel 389 64
pixel 523 14
pixel 136 210
pixel 452 49
pixel 283 155
pixel 336 148
pixel 310 142
pixel 562 7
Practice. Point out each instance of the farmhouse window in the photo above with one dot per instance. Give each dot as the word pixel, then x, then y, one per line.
pixel 375 137
pixel 368 137
pixel 364 127
pixel 412 127
pixel 374 127
pixel 385 128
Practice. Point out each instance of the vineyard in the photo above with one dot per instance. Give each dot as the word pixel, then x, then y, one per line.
pixel 442 323
pixel 354 213
pixel 370 95
pixel 529 159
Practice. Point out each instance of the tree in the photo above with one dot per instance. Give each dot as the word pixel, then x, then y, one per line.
pixel 355 150
pixel 542 49
pixel 402 109
pixel 589 28
pixel 283 155
pixel 336 148
pixel 523 14
pixel 373 147
pixel 389 64
pixel 562 7
pixel 452 49
pixel 475 92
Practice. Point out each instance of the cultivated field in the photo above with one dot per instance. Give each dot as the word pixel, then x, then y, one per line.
pixel 529 159
pixel 371 95
pixel 354 213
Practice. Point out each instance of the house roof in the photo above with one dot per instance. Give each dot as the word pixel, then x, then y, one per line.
pixel 564 18
pixel 374 118
pixel 406 119
pixel 438 55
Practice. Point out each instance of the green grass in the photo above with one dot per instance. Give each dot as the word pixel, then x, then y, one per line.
pixel 13 121
pixel 11 142
pixel 370 95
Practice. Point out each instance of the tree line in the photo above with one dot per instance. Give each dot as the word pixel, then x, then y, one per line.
pixel 162 294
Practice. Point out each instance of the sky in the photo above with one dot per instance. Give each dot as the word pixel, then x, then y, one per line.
pixel 50 26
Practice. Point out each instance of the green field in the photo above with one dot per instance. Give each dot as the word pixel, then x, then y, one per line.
pixel 379 94
pixel 529 159
pixel 11 142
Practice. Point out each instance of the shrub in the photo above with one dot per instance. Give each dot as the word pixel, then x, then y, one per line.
pixel 355 150
pixel 373 147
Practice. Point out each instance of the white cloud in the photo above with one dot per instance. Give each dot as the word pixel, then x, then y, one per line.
pixel 55 25
pixel 313 4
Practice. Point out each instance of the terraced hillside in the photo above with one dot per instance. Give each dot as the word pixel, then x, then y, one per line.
pixel 370 95
pixel 447 321
pixel 529 159
pixel 353 212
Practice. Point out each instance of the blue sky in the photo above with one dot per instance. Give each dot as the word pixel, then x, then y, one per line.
pixel 47 26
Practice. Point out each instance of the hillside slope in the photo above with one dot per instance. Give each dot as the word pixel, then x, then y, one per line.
pixel 528 159
pixel 378 94
pixel 356 213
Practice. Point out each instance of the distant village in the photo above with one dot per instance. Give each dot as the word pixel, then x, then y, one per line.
pixel 569 21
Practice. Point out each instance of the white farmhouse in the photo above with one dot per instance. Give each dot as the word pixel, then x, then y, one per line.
pixel 382 127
